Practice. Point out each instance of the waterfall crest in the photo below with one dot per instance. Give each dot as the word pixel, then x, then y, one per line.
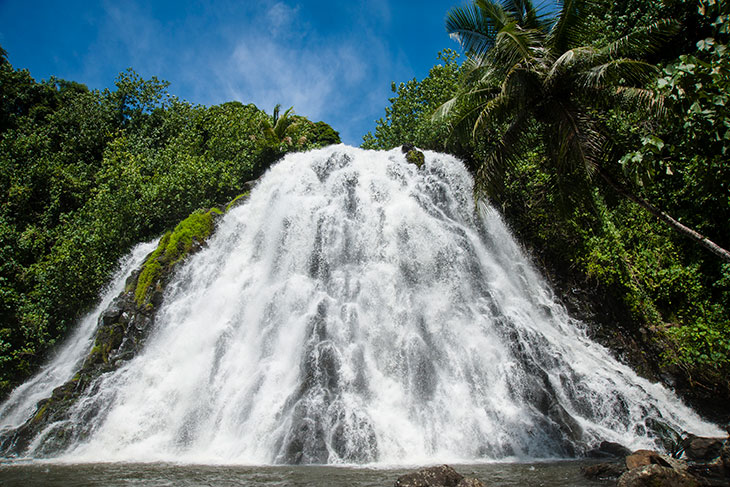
pixel 358 309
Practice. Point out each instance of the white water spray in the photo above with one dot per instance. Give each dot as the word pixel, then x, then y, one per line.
pixel 357 310
pixel 66 361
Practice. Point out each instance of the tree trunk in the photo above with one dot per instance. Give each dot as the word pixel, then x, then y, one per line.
pixel 684 230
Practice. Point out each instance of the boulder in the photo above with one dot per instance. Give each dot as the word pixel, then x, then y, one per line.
pixel 656 475
pixel 641 458
pixel 701 449
pixel 609 449
pixel 670 438
pixel 442 476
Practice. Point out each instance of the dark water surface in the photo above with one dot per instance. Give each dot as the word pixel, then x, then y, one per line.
pixel 555 474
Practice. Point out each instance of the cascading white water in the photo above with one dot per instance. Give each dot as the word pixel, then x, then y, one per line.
pixel 358 309
pixel 61 367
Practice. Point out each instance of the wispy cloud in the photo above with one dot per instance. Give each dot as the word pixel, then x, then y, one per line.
pixel 281 18
pixel 267 52
pixel 285 60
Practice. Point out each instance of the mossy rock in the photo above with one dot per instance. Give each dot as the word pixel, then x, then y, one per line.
pixel 187 237
pixel 108 338
pixel 413 155
pixel 416 157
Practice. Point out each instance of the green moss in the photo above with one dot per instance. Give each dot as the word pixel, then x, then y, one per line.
pixel 173 247
pixel 197 226
pixel 41 412
pixel 108 338
pixel 236 201
pixel 416 157
pixel 151 271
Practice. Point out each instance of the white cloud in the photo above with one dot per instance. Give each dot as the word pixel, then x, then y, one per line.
pixel 311 78
pixel 286 61
pixel 281 17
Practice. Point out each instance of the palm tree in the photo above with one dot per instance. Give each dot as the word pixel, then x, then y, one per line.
pixel 283 127
pixel 528 70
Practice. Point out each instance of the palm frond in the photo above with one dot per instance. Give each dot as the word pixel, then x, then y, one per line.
pixel 524 87
pixel 445 109
pixel 642 41
pixel 477 71
pixel 502 157
pixel 570 60
pixel 527 15
pixel 568 30
pixel 475 27
pixel 618 71
pixel 647 101
pixel 573 139
pixel 513 46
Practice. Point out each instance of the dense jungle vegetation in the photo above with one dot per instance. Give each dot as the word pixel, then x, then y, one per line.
pixel 85 175
pixel 571 121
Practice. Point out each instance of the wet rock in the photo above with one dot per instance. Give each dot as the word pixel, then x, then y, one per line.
pixel 709 473
pixel 609 449
pixel 113 313
pixel 604 471
pixel 654 475
pixel 697 448
pixel 670 438
pixel 641 458
pixel 442 476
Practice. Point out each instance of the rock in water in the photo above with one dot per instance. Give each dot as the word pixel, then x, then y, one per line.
pixel 603 471
pixel 656 476
pixel 698 448
pixel 640 458
pixel 443 476
pixel 609 449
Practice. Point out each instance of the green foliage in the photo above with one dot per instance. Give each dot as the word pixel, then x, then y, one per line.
pixel 286 132
pixel 321 134
pixel 682 163
pixel 408 118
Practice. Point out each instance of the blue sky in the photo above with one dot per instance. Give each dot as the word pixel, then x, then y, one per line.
pixel 332 61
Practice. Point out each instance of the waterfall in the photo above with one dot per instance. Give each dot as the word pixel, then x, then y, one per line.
pixel 358 309
pixel 68 357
